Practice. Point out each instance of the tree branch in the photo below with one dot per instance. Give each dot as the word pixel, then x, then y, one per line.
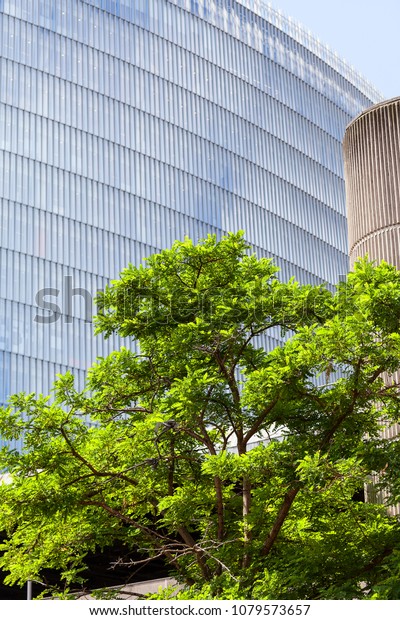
pixel 260 420
pixel 189 540
pixel 95 472
pixel 282 514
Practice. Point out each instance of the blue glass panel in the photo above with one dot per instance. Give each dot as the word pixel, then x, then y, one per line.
pixel 125 124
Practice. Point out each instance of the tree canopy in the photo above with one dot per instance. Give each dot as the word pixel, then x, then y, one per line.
pixel 232 439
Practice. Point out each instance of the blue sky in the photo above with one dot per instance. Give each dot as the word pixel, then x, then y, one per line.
pixel 365 33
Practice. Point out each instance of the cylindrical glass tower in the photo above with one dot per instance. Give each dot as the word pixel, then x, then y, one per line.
pixel 372 168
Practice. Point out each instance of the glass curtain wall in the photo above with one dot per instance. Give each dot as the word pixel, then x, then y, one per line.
pixel 127 124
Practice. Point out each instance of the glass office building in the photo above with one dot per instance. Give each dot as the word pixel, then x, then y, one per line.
pixel 127 124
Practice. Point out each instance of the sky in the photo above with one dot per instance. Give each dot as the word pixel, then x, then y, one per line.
pixel 364 33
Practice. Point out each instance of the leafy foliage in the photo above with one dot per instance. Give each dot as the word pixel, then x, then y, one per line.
pixel 231 453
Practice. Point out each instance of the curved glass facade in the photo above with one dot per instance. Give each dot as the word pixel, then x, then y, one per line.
pixel 127 124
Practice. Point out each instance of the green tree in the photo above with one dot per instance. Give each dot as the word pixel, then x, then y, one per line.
pixel 169 463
